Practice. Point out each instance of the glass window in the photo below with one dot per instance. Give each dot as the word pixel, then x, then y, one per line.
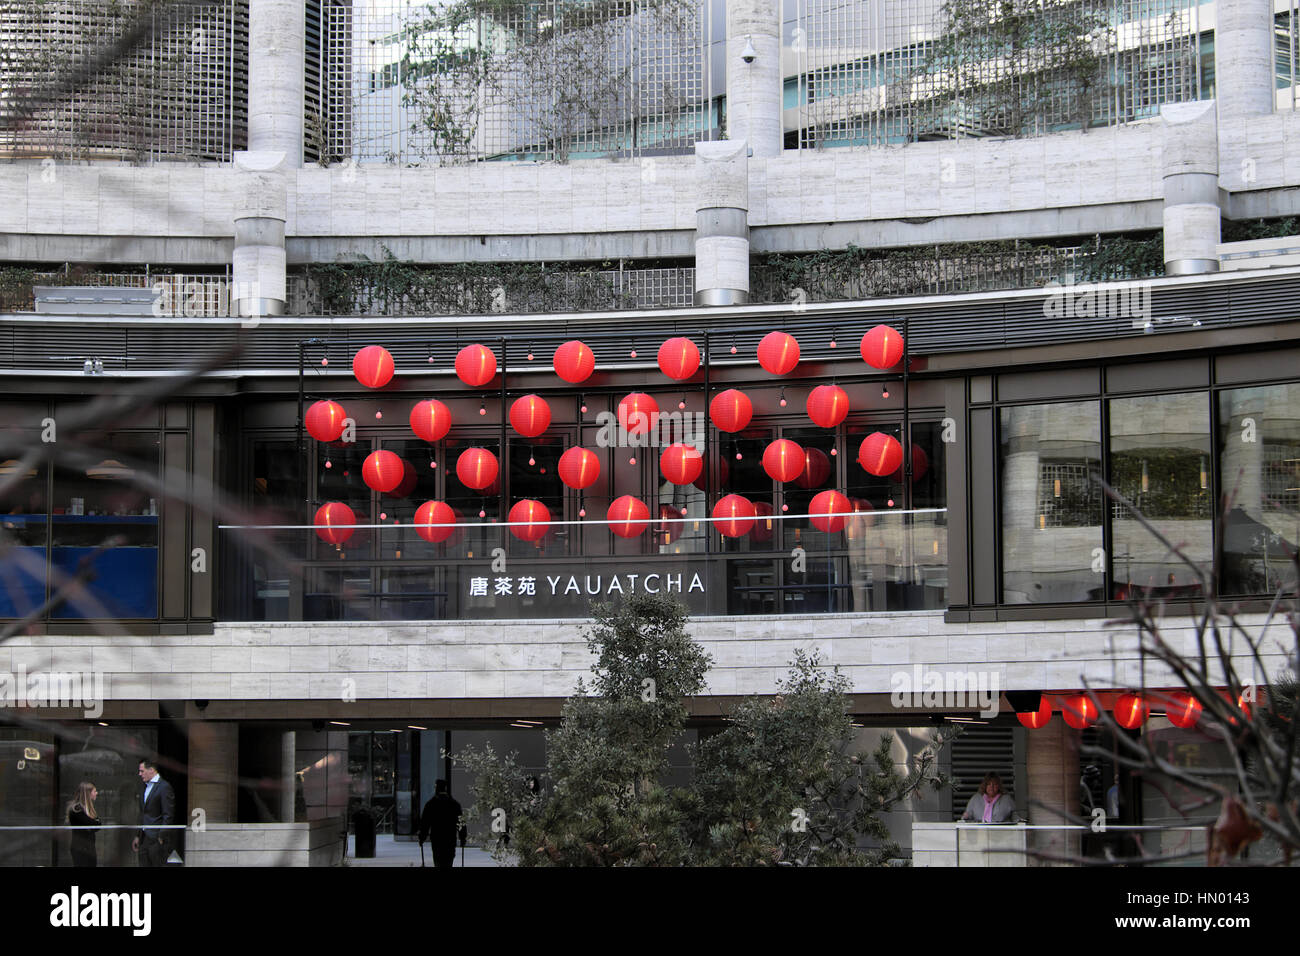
pixel 1160 461
pixel 1051 503
pixel 1259 467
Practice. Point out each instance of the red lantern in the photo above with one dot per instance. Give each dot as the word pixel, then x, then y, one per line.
pixel 531 517
pixel 816 469
pixel 734 515
pixel 579 468
pixel 476 365
pixel 880 454
pixel 382 471
pixel 882 347
pixel 477 468
pixel 681 464
pixel 783 460
pixel 721 474
pixel 778 352
pixel 410 478
pixel 826 508
pixel 828 405
pixel 373 366
pixel 637 413
pixel 435 513
pixel 679 358
pixel 731 410
pixel 629 516
pixel 331 519
pixel 1183 709
pixel 1079 711
pixel 920 465
pixel 574 362
pixel 1131 710
pixel 761 533
pixel 324 421
pixel 430 420
pixel 530 415
pixel 1036 719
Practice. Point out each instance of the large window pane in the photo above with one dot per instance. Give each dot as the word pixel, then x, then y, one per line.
pixel 1160 461
pixel 1259 441
pixel 1051 503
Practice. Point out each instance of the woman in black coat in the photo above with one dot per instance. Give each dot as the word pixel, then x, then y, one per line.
pixel 82 815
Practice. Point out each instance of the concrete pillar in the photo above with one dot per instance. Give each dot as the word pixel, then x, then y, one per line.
pixel 1244 82
pixel 261 208
pixel 276 43
pixel 754 88
pixel 1191 187
pixel 1243 461
pixel 1052 765
pixel 722 223
pixel 214 771
pixel 288 775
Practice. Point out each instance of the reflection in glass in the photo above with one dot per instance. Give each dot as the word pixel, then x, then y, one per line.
pixel 1051 503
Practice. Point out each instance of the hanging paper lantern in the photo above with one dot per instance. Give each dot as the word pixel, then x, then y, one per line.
pixel 530 415
pixel 828 405
pixel 434 513
pixel 816 469
pixel 734 516
pixel 1131 710
pixel 410 478
pixel 637 413
pixel 778 352
pixel 1079 711
pixel 1183 709
pixel 721 475
pixel 535 514
pixel 430 420
pixel 574 362
pixel 783 460
pixel 1036 719
pixel 920 465
pixel 826 508
pixel 629 516
pixel 762 531
pixel 324 421
pixel 382 471
pixel 331 519
pixel 373 366
pixel 679 358
pixel 681 464
pixel 476 365
pixel 880 454
pixel 731 410
pixel 579 468
pixel 882 347
pixel 477 468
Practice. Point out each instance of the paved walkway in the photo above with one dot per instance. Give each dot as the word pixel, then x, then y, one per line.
pixel 391 852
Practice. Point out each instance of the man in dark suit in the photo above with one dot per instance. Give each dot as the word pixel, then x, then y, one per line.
pixel 439 824
pixel 157 808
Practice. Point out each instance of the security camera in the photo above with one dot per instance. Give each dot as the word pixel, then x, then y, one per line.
pixel 748 53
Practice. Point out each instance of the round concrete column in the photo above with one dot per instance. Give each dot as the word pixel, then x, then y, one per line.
pixel 1244 81
pixel 722 223
pixel 258 265
pixel 754 84
pixel 1191 187
pixel 276 43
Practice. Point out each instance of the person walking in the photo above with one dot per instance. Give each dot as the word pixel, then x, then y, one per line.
pixel 82 816
pixel 439 824
pixel 157 809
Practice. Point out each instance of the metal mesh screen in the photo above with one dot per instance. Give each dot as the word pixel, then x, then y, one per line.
pixel 181 92
pixel 555 79
pixel 896 71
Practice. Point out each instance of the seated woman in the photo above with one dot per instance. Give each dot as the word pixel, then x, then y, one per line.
pixel 82 815
pixel 990 804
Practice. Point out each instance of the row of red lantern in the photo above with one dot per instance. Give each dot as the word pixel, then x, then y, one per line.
pixel 1130 710
pixel 679 358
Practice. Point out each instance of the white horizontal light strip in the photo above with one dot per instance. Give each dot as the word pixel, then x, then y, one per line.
pixel 522 524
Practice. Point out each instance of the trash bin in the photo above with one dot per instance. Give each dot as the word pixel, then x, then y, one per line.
pixel 363 828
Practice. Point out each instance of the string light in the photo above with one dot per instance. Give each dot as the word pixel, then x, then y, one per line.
pixel 884 390
pixel 833 334
pixel 379 415
pixel 783 401
pixel 482 408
